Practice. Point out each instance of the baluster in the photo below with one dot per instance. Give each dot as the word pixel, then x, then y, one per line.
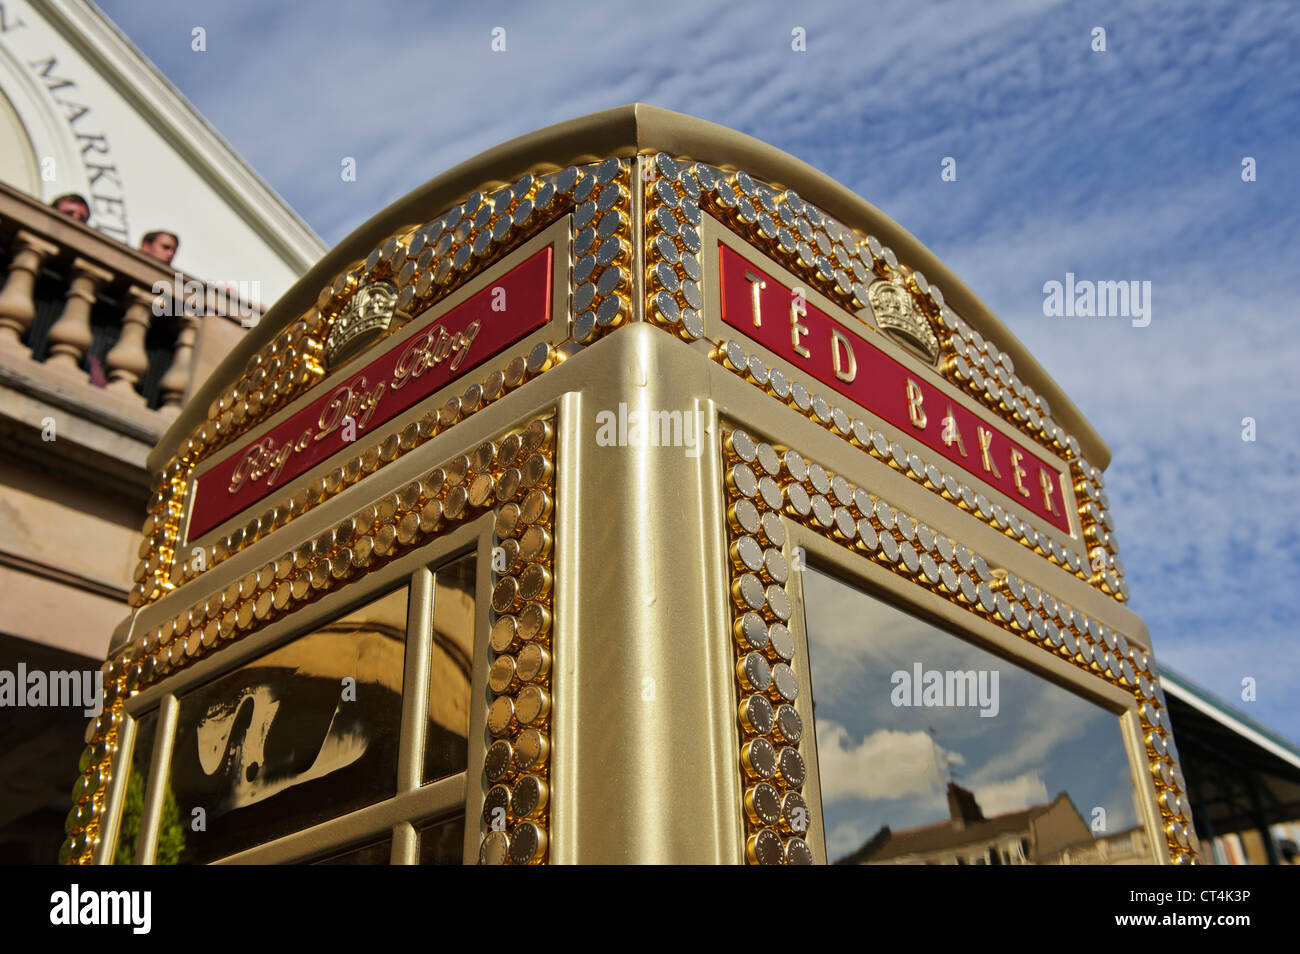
pixel 177 379
pixel 127 362
pixel 70 336
pixel 17 304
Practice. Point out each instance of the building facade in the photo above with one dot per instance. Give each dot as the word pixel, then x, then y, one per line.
pixel 100 344
pixel 83 111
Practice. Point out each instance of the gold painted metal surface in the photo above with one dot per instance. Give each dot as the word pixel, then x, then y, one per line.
pixel 155 793
pixel 601 696
pixel 644 724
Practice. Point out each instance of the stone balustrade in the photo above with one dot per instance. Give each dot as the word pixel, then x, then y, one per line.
pixel 88 309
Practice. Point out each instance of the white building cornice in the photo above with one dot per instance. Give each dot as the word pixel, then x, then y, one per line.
pixel 138 81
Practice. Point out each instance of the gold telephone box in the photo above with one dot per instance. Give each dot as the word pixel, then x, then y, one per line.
pixel 631 493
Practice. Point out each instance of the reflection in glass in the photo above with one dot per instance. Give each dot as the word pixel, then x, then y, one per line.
pixel 932 751
pixel 303 734
pixel 442 842
pixel 171 833
pixel 451 662
pixel 375 853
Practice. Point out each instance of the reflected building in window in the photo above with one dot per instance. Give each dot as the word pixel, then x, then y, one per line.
pixel 302 734
pixel 901 705
pixel 1054 833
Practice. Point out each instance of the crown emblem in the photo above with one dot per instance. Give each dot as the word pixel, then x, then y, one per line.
pixel 896 312
pixel 365 319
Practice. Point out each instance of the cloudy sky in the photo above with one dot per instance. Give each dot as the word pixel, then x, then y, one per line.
pixel 1118 165
pixel 886 750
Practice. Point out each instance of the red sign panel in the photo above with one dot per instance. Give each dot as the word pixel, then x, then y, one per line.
pixel 505 312
pixel 761 308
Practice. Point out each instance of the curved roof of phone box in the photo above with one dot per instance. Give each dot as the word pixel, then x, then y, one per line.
pixel 626 131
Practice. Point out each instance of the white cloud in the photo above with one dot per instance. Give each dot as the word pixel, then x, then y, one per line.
pixel 1011 795
pixel 844 837
pixel 884 765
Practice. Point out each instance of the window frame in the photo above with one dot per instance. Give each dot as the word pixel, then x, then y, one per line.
pixel 825 556
pixel 415 803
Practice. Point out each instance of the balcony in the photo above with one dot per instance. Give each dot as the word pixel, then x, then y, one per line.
pixel 99 339
pixel 94 366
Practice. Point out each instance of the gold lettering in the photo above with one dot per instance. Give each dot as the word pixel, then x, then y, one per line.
pixel 277 462
pixel 430 350
pixel 756 285
pixel 333 413
pixel 354 405
pixel 414 360
pixel 368 404
pixel 350 402
pixel 838 341
pixel 951 435
pixel 441 349
pixel 463 340
pixel 986 438
pixel 246 467
pixel 914 399
pixel 1046 483
pixel 303 442
pixel 1017 471
pixel 798 309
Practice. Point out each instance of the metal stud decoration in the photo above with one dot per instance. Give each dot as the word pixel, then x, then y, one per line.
pixel 805 493
pixel 511 477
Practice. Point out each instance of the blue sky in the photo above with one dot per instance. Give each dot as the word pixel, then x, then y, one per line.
pixel 1117 165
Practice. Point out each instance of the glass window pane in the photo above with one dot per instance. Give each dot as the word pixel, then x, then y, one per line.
pixel 931 750
pixel 303 734
pixel 451 663
pixel 443 842
pixel 171 832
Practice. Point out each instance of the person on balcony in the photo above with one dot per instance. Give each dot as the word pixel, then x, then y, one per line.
pixel 160 245
pixel 73 206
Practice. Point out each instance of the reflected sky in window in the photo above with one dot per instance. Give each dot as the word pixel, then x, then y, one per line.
pixel 883 763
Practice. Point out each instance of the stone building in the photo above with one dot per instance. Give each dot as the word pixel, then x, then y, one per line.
pixel 100 344
pixel 1046 834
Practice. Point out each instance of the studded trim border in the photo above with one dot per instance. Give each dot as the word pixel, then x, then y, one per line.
pixel 764 478
pixel 841 263
pixel 426 263
pixel 516 810
pixel 512 477
pixel 773 770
